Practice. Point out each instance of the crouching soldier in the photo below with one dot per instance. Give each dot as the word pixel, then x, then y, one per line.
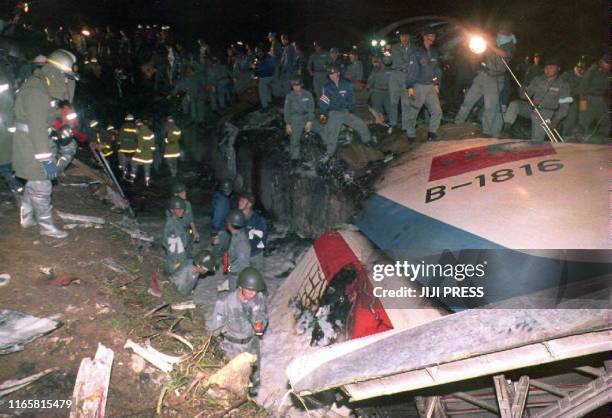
pixel 177 245
pixel 241 318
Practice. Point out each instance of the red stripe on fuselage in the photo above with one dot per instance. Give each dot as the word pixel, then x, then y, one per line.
pixel 464 161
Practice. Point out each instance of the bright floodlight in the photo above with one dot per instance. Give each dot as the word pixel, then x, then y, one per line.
pixel 85 32
pixel 478 44
pixel 374 42
pixel 383 42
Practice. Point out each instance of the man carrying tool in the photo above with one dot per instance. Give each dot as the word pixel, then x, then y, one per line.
pixel 177 246
pixel 240 319
pixel 550 94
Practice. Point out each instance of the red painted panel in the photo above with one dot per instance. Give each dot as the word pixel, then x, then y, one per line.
pixel 464 161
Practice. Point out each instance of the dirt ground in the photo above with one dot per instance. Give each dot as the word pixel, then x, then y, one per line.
pixel 105 306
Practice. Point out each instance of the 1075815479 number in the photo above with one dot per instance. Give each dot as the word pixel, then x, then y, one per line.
pixel 499 176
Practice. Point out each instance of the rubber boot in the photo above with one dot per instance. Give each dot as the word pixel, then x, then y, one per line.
pixel 26 215
pixel 48 229
pixel 40 197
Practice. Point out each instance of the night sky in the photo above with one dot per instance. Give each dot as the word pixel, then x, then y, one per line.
pixel 566 27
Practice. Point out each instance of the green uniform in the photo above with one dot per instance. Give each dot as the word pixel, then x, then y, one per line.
pixel 299 109
pixel 354 71
pixel 552 97
pixel 316 66
pixel 594 88
pixel 179 261
pixel 234 320
pixel 399 59
pixel 378 84
pixel 570 123
pixel 239 251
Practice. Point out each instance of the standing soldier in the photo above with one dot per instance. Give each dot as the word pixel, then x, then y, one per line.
pixel 33 159
pixel 144 152
pixel 287 64
pixel 177 246
pixel 7 128
pixel 573 78
pixel 354 70
pixel 337 104
pixel 298 114
pixel 378 85
pixel 236 243
pixel 128 142
pixel 423 81
pixel 399 59
pixel 550 94
pixel 241 318
pixel 489 83
pixel 264 68
pixel 594 90
pixel 172 147
pixel 335 61
pixel 180 190
pixel 257 229
pixel 316 68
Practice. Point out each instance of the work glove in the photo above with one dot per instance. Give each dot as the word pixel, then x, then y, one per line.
pixel 196 236
pixel 308 126
pixel 288 129
pixel 411 93
pixel 50 168
pixel 322 119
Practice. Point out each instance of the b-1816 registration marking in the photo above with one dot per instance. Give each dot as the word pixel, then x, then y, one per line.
pixel 498 176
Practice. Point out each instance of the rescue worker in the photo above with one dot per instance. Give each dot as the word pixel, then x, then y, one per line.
pixel 316 68
pixel 535 69
pixel 222 83
pixel 240 319
pixel 63 143
pixel 220 209
pixel 180 190
pixel 7 129
pixel 573 77
pixel 264 68
pixel 235 241
pixel 128 142
pixel 144 152
pixel 287 64
pixel 172 145
pixel 107 140
pixel 298 114
pixel 275 52
pixel 177 246
pixel 399 59
pixel 489 82
pixel 550 94
pixel 335 61
pixel 423 76
pixel 337 104
pixel 256 228
pixel 594 92
pixel 241 72
pixel 354 70
pixel 33 159
pixel 378 86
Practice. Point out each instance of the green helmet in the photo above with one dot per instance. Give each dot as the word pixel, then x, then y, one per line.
pixel 206 260
pixel 176 203
pixel 226 186
pixel 251 278
pixel 235 218
pixel 178 188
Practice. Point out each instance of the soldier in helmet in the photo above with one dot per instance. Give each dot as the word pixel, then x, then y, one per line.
pixel 337 104
pixel 177 246
pixel 298 114
pixel 33 159
pixel 241 318
pixel 235 241
pixel 180 190
pixel 128 142
pixel 316 67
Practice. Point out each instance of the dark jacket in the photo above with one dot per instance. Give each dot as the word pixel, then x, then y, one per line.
pixel 340 97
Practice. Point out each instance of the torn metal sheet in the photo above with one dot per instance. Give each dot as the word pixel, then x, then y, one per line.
pixel 18 328
pixel 14 385
pixel 91 387
pixel 462 336
pixel 80 218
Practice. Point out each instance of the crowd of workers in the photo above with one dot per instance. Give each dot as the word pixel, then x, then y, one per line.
pixel 404 78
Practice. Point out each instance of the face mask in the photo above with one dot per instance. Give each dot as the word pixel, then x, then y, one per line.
pixel 504 39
